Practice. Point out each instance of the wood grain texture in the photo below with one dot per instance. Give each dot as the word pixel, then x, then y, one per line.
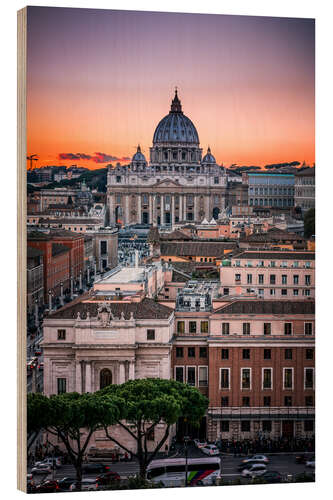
pixel 21 250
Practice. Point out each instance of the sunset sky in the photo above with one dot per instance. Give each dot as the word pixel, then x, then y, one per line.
pixel 99 81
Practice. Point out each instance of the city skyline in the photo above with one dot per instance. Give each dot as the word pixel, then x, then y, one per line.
pixel 99 81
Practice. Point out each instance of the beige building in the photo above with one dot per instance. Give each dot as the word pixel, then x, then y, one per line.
pixel 176 185
pixel 305 189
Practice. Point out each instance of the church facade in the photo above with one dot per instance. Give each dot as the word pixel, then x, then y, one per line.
pixel 176 185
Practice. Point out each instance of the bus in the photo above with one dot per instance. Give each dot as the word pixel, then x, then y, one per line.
pixel 171 471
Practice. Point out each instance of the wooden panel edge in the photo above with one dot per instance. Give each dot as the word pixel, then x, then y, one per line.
pixel 21 250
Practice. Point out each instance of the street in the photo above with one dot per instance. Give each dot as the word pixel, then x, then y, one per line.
pixel 282 463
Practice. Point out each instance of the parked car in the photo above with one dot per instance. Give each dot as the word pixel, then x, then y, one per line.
pixel 56 461
pixel 30 483
pixel 256 459
pixel 47 487
pixel 65 483
pixel 41 469
pixel 310 463
pixel 86 485
pixel 254 470
pixel 107 478
pixel 199 444
pixel 272 476
pixel 95 467
pixel 210 449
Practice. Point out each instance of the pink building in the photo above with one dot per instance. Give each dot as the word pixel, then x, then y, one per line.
pixel 269 274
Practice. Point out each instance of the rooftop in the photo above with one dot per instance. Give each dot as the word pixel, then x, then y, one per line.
pixel 124 275
pixel 268 307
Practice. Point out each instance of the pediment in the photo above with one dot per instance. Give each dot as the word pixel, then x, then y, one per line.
pixel 167 183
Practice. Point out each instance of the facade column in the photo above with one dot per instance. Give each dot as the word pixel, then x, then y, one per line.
pixel 121 373
pixel 78 377
pixel 154 211
pixel 88 377
pixel 180 210
pixel 139 217
pixel 173 210
pixel 195 202
pixel 131 374
pixel 111 209
pixel 185 215
pixel 127 209
pixel 150 209
pixel 162 209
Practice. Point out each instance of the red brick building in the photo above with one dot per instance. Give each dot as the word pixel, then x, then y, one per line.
pixel 254 359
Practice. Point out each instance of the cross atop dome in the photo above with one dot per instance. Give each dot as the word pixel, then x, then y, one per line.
pixel 176 106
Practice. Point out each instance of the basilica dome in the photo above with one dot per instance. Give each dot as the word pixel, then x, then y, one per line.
pixel 209 158
pixel 176 127
pixel 138 157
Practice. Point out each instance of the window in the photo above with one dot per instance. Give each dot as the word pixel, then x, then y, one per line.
pixel 61 382
pixel 191 352
pixel 181 327
pixel 225 328
pixel 267 354
pixel 179 373
pixel 272 264
pixel 284 279
pixel 267 401
pixel 225 382
pixel 225 354
pixel 284 291
pixel 288 354
pixel 204 327
pixel 203 352
pixel 246 328
pixel 308 378
pixel 295 292
pixel 308 400
pixel 272 279
pixel 190 375
pixel 245 425
pixel 308 328
pixel 216 180
pixel 193 326
pixel 246 378
pixel 249 279
pixel 287 328
pixel 306 293
pixel 225 291
pixel 272 291
pixel 105 378
pixel 308 425
pixel 246 353
pixel 267 378
pixel 103 247
pixel 224 426
pixel 287 378
pixel 237 277
pixel 261 292
pixel 307 265
pixel 296 279
pixel 61 334
pixel 150 334
pixel 118 178
pixel 267 425
pixel 246 401
pixel 261 279
pixel 203 376
pixel 287 401
pixel 296 263
pixel 267 328
pixel 309 354
pixel 179 352
pixel 225 401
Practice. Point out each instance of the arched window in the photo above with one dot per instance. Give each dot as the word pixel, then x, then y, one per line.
pixel 105 378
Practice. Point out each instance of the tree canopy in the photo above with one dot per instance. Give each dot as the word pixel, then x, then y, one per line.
pixel 147 402
pixel 309 223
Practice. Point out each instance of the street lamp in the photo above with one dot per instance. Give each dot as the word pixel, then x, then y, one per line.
pixel 186 440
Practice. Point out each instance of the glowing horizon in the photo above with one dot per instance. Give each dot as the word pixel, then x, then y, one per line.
pixel 99 82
